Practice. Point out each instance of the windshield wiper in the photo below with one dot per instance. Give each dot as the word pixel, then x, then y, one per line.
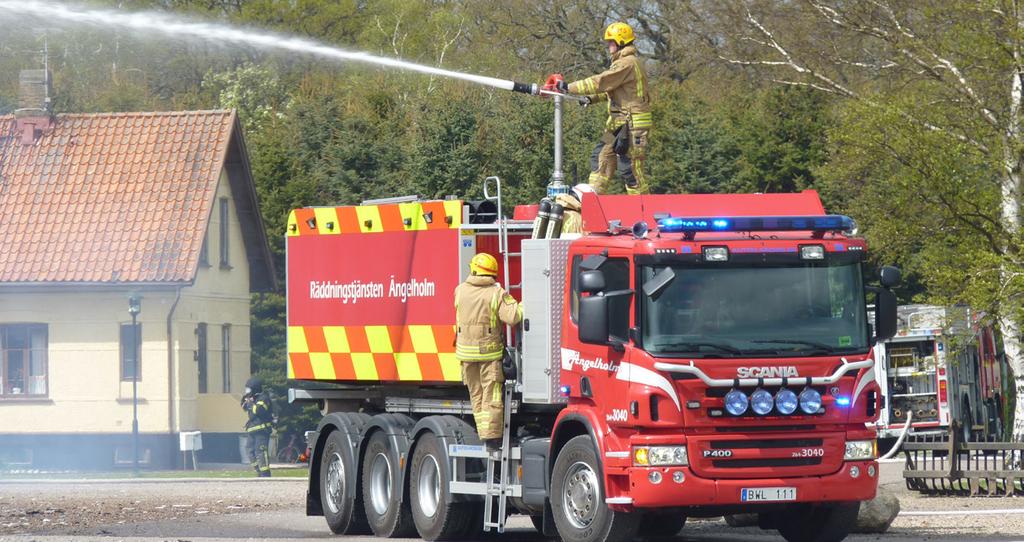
pixel 696 346
pixel 815 344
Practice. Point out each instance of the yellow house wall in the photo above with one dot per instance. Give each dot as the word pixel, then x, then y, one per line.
pixel 219 296
pixel 85 391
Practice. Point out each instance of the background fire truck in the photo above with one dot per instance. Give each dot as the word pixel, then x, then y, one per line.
pixel 942 368
pixel 715 363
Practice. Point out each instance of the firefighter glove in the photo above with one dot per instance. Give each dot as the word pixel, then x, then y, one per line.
pixel 562 86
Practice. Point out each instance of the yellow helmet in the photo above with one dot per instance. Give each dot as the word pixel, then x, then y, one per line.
pixel 484 264
pixel 620 33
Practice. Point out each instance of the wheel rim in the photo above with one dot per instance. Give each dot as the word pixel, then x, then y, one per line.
pixel 335 483
pixel 429 486
pixel 380 484
pixel 580 495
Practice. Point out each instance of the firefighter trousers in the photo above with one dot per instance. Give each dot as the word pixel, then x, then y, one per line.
pixel 631 166
pixel 484 380
pixel 258 448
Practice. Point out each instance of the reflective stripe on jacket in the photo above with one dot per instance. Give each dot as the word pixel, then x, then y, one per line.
pixel 481 306
pixel 624 85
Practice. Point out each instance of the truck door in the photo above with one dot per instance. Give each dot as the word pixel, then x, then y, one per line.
pixel 591 368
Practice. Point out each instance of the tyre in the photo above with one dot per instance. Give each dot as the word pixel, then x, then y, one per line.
pixel 436 519
pixel 806 523
pixel 660 525
pixel 386 511
pixel 341 499
pixel 577 498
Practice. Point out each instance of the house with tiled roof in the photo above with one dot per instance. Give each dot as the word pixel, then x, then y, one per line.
pixel 97 209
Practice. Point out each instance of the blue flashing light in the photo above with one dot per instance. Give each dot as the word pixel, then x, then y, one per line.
pixel 842 401
pixel 839 223
pixel 564 390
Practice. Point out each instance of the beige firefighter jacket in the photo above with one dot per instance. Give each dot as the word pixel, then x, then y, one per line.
pixel 624 85
pixel 481 307
pixel 572 221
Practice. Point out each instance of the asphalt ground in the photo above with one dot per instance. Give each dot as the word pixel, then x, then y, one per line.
pixel 232 510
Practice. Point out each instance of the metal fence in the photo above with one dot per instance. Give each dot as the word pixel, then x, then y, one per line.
pixel 941 464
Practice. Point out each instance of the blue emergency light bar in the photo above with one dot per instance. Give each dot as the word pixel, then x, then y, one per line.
pixel 823 223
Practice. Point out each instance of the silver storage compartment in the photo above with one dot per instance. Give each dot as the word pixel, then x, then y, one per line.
pixel 544 264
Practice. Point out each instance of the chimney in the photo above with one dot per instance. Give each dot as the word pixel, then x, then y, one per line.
pixel 33 116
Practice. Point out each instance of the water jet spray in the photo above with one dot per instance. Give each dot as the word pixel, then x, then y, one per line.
pixel 172 26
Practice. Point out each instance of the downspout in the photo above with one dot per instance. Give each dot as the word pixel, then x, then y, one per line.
pixel 170 366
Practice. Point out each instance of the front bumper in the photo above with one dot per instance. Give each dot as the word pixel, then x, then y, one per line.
pixel 695 491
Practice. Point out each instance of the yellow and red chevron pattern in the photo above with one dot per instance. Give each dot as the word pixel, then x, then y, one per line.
pixel 391 217
pixel 413 353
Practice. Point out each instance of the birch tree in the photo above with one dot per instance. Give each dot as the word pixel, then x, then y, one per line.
pixel 962 62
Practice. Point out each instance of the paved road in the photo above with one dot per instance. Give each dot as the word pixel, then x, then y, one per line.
pixel 257 510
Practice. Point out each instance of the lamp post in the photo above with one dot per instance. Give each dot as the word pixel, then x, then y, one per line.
pixel 134 308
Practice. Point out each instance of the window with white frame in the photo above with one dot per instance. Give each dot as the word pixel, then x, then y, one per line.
pixel 23 352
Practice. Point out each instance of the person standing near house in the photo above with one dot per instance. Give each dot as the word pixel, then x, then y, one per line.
pixel 482 306
pixel 623 145
pixel 256 403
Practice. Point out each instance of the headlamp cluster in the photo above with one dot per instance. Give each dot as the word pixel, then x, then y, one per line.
pixel 761 402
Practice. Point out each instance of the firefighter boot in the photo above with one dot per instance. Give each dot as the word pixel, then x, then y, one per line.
pixel 493 444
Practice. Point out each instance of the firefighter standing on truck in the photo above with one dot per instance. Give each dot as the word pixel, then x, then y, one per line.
pixel 256 403
pixel 623 145
pixel 482 308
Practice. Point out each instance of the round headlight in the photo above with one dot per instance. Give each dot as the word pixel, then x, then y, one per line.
pixel 810 401
pixel 736 402
pixel 761 402
pixel 786 401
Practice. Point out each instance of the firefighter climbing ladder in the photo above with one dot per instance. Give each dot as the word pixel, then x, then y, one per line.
pixel 494 491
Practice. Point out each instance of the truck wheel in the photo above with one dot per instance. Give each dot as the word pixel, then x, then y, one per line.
pixel 435 518
pixel 818 523
pixel 662 524
pixel 577 498
pixel 342 503
pixel 386 511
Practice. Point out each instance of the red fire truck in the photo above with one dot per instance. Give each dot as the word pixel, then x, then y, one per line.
pixel 942 368
pixel 717 361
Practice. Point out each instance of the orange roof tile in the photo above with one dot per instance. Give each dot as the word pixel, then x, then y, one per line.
pixel 111 198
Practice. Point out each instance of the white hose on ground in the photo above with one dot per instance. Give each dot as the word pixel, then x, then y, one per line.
pixel 899 441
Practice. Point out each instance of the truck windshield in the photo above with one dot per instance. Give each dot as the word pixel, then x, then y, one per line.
pixel 803 309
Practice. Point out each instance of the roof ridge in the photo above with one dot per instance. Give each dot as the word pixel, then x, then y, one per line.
pixel 178 113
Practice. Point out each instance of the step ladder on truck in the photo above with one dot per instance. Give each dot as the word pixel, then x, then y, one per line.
pixel 650 383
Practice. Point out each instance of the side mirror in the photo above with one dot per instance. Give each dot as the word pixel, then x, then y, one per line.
pixel 885 314
pixel 889 276
pixel 592 282
pixel 593 319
